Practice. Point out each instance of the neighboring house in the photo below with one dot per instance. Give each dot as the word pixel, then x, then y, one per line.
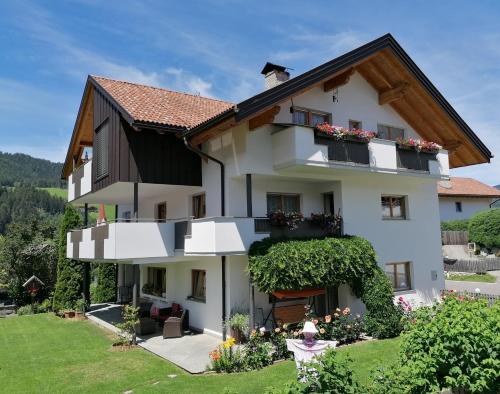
pixel 194 178
pixel 460 198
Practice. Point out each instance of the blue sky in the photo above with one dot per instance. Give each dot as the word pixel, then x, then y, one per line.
pixel 217 48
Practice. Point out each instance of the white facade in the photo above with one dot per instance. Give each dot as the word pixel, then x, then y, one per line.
pixel 459 208
pixel 282 160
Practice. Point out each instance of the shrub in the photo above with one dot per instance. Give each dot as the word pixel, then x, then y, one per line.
pixel 455 225
pixel 258 352
pixel 69 283
pixel 105 288
pixel 326 374
pixel 454 345
pixel 383 319
pixel 45 306
pixel 484 228
pixel 26 310
pixel 227 358
pixel 130 320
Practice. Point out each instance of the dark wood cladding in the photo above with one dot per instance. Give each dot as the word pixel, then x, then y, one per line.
pixel 413 160
pixel 344 150
pixel 144 156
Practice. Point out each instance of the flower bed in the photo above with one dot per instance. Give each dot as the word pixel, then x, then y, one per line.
pixel 418 145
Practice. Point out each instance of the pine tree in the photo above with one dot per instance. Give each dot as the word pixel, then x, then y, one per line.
pixel 69 283
pixel 106 283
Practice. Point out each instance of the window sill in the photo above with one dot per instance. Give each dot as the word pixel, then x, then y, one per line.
pixel 198 300
pixel 404 292
pixel 153 297
pixel 396 219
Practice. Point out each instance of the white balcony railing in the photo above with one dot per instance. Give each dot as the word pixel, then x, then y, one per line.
pixel 296 146
pixel 80 181
pixel 150 240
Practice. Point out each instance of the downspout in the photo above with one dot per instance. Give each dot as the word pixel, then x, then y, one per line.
pixel 223 213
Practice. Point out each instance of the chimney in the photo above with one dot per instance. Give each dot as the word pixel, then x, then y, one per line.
pixel 274 75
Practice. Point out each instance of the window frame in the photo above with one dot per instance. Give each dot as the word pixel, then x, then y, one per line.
pixel 394 273
pixel 101 155
pixel 202 195
pixel 309 115
pixel 157 212
pixel 194 272
pixel 282 195
pixel 458 206
pixel 389 127
pixel 351 126
pixel 404 207
pixel 163 285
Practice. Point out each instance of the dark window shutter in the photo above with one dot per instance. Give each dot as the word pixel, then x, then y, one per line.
pixel 102 149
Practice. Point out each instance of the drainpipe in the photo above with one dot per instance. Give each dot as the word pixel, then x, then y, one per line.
pixel 223 213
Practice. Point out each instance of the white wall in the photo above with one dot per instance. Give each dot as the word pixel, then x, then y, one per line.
pixel 470 206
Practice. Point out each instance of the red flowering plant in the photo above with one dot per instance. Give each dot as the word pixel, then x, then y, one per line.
pixel 419 145
pixel 341 133
pixel 330 222
pixel 285 219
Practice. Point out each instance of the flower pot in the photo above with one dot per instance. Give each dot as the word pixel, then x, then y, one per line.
pixel 79 315
pixel 69 314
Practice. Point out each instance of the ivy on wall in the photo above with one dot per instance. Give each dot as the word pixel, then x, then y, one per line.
pixel 276 264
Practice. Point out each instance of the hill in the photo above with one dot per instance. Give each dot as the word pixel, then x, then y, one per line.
pixel 21 169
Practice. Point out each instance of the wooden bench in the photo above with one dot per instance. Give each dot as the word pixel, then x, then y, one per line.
pixel 289 314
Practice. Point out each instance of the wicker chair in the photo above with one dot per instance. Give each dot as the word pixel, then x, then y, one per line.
pixel 173 327
pixel 145 326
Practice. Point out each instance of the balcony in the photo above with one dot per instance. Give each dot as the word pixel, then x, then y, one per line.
pixel 80 181
pixel 150 240
pixel 296 148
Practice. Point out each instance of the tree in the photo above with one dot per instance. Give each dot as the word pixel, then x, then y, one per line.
pixel 29 248
pixel 484 228
pixel 106 283
pixel 70 273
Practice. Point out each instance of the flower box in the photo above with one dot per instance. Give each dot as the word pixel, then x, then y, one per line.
pixel 348 148
pixel 412 159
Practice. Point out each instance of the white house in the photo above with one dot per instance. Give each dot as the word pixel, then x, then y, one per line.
pixel 193 179
pixel 460 198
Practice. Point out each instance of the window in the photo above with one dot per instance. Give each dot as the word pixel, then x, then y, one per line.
pixel 309 117
pixel 198 284
pixel 328 204
pixel 283 202
pixel 101 145
pixel 355 125
pixel 199 206
pixel 399 275
pixel 156 283
pixel 161 212
pixel 393 207
pixel 458 206
pixel 389 132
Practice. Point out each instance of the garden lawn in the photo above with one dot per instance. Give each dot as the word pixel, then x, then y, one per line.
pixel 43 353
pixel 486 278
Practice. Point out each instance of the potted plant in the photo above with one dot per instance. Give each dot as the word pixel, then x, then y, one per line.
pixel 238 325
pixel 285 219
pixel 148 288
pixel 80 307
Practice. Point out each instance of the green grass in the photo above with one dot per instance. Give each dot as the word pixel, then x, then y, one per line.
pixel 487 278
pixel 63 193
pixel 43 353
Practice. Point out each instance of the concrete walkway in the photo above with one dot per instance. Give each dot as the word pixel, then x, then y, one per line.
pixel 485 288
pixel 189 352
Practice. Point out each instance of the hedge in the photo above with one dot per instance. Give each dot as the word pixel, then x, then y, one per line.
pixel 105 289
pixel 276 264
pixel 484 228
pixel 69 283
pixel 455 225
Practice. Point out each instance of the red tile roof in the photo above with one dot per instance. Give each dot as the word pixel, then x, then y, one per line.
pixel 162 106
pixel 466 187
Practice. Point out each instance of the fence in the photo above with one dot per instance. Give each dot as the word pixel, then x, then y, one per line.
pixel 455 237
pixel 472 265
pixel 491 298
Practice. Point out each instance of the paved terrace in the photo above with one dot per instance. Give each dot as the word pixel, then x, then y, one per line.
pixel 189 352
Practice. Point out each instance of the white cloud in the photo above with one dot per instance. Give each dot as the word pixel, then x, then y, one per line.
pixel 181 80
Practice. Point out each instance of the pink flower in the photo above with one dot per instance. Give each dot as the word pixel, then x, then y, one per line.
pixel 328 318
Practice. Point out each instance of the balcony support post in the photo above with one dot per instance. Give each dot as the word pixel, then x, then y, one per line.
pixel 251 306
pixel 136 201
pixel 249 195
pixel 86 264
pixel 223 261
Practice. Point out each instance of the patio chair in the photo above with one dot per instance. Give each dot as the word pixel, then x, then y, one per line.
pixel 145 308
pixel 173 327
pixel 145 326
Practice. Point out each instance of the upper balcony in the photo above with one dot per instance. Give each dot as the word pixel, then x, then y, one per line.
pixel 80 181
pixel 153 241
pixel 298 147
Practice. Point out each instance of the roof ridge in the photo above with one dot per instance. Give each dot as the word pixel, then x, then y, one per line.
pixel 160 88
